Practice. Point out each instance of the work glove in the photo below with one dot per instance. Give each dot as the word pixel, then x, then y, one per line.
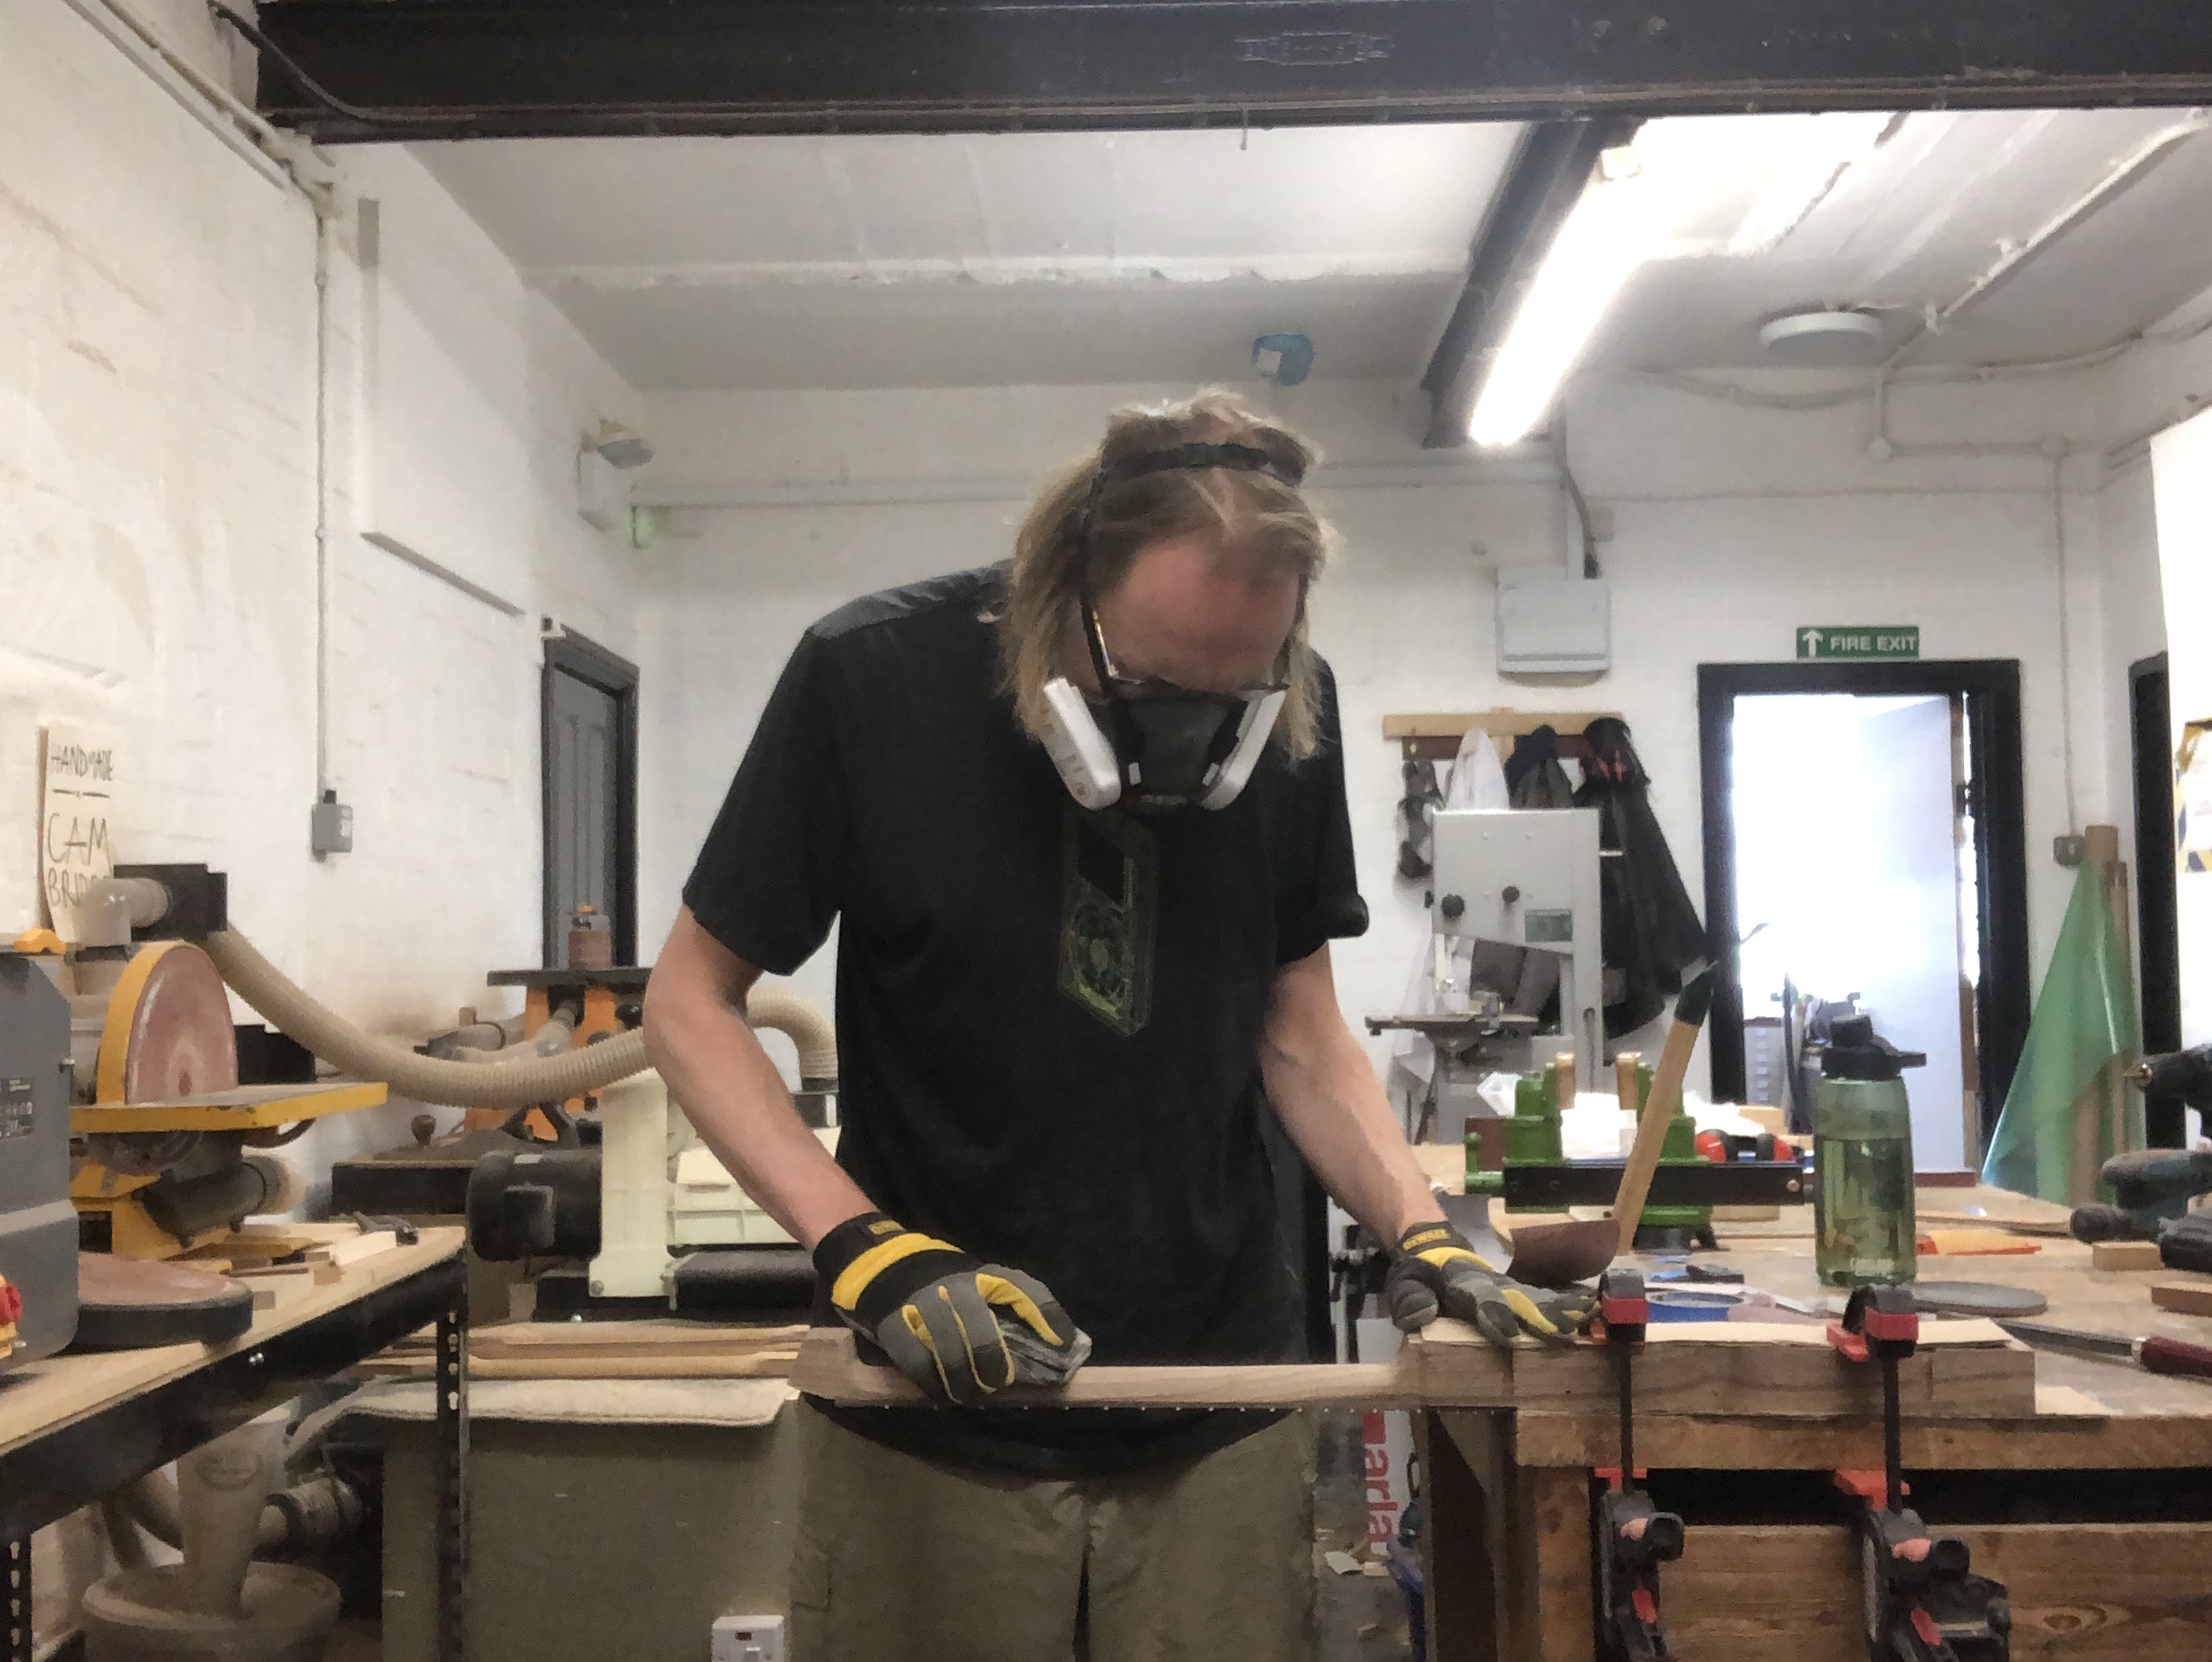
pixel 1434 1272
pixel 958 1328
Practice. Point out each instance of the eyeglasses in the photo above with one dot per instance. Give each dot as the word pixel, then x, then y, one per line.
pixel 1138 688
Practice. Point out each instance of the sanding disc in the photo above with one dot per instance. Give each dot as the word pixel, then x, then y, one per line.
pixel 131 1304
pixel 1978 1299
pixel 168 1031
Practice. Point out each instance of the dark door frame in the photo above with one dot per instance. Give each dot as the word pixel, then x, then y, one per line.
pixel 569 654
pixel 2158 924
pixel 1992 686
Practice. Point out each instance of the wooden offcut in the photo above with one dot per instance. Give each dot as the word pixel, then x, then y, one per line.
pixel 2125 1255
pixel 2192 1296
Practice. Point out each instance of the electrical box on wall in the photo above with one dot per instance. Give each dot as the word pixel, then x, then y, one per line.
pixel 1549 624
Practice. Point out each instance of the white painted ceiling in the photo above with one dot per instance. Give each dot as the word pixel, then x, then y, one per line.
pixel 1042 258
pixel 1914 223
pixel 1002 259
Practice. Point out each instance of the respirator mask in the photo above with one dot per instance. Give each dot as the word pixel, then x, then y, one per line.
pixel 1149 743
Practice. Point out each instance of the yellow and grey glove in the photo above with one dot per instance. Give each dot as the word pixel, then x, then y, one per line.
pixel 958 1328
pixel 1434 1273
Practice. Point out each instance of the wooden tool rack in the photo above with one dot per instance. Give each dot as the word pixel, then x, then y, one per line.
pixel 76 1426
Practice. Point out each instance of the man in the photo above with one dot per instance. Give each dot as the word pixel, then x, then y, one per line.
pixel 1081 820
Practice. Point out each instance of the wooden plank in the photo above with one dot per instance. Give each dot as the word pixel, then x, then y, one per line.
pixel 2192 1296
pixel 1962 1368
pixel 1756 1443
pixel 759 1365
pixel 2085 1593
pixel 1500 724
pixel 1463 1563
pixel 40 1397
pixel 1709 1368
pixel 1764 1595
pixel 828 1367
pixel 1558 1533
pixel 627 1338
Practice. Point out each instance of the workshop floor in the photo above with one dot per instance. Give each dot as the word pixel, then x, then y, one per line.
pixel 1361 1618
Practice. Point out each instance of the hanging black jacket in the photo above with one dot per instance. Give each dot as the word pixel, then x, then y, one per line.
pixel 1652 933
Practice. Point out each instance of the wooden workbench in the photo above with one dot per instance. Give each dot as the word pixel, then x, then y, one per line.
pixel 2116 1562
pixel 76 1426
pixel 2086 1487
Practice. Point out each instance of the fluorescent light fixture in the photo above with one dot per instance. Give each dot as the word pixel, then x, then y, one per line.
pixel 1808 155
pixel 1625 214
pixel 1607 233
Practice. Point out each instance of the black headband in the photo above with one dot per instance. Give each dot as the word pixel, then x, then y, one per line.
pixel 1244 457
pixel 1249 458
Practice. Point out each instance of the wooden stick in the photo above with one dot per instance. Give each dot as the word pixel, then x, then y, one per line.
pixel 1624 1079
pixel 1563 1069
pixel 1666 1097
pixel 829 1366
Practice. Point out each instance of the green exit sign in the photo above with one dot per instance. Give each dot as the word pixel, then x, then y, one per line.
pixel 1859 641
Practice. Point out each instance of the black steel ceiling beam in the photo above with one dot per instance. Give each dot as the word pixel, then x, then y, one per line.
pixel 1550 167
pixel 491 68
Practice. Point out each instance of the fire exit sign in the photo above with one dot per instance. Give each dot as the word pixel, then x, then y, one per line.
pixel 1859 641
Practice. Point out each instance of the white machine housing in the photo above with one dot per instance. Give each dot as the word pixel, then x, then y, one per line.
pixel 1529 877
pixel 661 1189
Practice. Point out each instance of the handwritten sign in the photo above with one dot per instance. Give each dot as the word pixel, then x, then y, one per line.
pixel 74 819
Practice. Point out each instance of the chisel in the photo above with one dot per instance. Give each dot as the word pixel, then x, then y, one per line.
pixel 2156 1354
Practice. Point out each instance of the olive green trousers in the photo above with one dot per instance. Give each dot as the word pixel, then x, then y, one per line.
pixel 902 1559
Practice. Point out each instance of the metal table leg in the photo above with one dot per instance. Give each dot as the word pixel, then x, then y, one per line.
pixel 16 1567
pixel 453 1521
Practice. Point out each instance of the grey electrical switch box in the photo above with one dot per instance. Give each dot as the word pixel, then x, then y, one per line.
pixel 1547 624
pixel 330 830
pixel 38 1224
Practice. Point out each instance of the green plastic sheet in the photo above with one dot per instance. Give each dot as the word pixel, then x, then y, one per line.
pixel 2085 1016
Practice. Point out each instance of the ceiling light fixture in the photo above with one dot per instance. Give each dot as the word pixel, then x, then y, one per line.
pixel 1607 235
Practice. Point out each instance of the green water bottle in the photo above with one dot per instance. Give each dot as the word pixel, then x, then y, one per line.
pixel 1863 1224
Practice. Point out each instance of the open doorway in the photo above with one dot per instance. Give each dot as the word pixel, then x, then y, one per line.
pixel 1863 850
pixel 588 712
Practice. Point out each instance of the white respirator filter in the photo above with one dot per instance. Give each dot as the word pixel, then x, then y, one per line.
pixel 1078 747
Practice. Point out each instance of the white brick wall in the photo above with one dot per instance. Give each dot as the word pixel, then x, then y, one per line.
pixel 157 406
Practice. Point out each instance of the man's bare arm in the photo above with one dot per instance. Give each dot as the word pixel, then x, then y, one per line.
pixel 1334 1107
pixel 714 1066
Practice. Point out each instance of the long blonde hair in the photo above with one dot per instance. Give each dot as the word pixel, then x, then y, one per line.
pixel 1252 514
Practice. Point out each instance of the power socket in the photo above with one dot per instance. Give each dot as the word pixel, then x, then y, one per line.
pixel 747 1639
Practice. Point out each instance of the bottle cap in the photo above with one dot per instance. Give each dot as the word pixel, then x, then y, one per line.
pixel 1856 1051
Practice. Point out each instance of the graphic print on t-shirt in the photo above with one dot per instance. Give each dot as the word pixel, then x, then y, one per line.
pixel 1109 882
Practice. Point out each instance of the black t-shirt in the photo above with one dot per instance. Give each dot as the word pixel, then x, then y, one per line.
pixel 1049 1020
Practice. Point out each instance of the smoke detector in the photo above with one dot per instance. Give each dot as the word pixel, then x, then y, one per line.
pixel 1822 337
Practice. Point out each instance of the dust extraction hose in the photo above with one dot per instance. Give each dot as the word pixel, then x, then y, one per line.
pixel 589 1068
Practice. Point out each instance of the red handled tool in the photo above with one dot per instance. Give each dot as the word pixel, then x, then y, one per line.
pixel 1634 1537
pixel 1923 1603
pixel 2156 1354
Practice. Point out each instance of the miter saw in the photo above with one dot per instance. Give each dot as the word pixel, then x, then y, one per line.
pixel 174 1149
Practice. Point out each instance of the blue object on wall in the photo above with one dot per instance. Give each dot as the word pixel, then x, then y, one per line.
pixel 1285 359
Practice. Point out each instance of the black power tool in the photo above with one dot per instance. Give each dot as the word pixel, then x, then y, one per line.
pixel 2153 1188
